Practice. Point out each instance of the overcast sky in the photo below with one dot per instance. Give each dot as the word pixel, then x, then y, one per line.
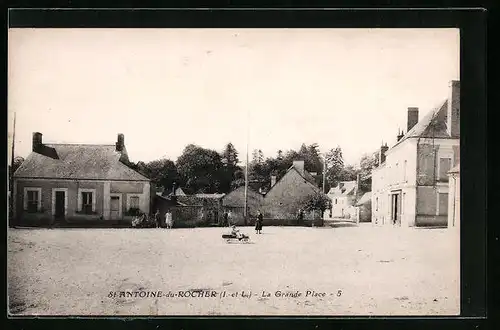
pixel 166 88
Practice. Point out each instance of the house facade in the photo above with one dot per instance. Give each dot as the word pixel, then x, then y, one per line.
pixel 410 186
pixel 342 200
pixel 284 199
pixel 234 201
pixel 78 182
pixel 364 206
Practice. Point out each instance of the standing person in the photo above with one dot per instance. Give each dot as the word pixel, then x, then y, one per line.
pixel 225 219
pixel 300 216
pixel 229 222
pixel 258 223
pixel 166 219
pixel 157 218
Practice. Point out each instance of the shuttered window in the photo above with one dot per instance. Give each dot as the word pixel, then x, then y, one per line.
pixel 444 168
pixel 33 200
pixel 443 203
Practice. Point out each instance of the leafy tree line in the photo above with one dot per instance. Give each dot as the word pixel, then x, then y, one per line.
pixel 201 170
pixel 204 170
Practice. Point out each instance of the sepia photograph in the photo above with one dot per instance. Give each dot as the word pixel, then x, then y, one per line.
pixel 233 172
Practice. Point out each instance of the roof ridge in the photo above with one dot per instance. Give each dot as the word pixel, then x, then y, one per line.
pixel 80 144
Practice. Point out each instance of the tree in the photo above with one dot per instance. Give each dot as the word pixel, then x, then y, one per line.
pixel 315 202
pixel 348 173
pixel 18 161
pixel 335 165
pixel 257 156
pixel 230 155
pixel 367 164
pixel 200 169
pixel 280 155
pixel 162 172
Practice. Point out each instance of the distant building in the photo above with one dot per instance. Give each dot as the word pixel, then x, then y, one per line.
pixel 283 200
pixel 364 205
pixel 234 201
pixel 410 186
pixel 78 182
pixel 342 199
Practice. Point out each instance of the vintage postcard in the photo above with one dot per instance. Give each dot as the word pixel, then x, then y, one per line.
pixel 166 172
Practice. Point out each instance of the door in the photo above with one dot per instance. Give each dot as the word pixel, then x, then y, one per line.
pixel 60 208
pixel 115 208
pixel 396 209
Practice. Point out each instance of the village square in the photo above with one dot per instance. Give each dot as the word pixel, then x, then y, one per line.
pixel 227 231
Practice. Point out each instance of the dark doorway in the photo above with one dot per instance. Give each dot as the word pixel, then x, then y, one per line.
pixel 396 209
pixel 60 207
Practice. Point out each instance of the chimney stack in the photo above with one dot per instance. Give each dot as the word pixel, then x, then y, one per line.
pixel 273 180
pixel 120 143
pixel 383 150
pixel 37 141
pixel 453 114
pixel 299 166
pixel 400 135
pixel 412 118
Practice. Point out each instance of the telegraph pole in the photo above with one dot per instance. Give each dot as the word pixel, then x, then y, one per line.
pixel 246 173
pixel 324 173
pixel 11 174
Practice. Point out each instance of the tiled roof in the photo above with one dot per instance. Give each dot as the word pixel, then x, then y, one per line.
pixel 77 161
pixel 306 175
pixel 344 188
pixel 431 125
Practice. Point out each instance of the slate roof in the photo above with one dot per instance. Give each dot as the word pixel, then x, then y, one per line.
pixel 432 124
pixel 344 188
pixel 77 161
pixel 306 175
pixel 366 198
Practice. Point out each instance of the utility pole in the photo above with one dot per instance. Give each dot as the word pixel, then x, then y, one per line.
pixel 245 213
pixel 11 172
pixel 324 173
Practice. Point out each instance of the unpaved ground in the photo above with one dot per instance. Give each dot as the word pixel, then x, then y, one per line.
pixel 380 271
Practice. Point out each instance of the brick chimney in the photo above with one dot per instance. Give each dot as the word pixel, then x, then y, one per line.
pixel 273 180
pixel 37 141
pixel 120 143
pixel 453 114
pixel 299 166
pixel 383 150
pixel 412 118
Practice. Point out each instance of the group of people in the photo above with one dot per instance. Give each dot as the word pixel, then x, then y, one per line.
pixel 169 222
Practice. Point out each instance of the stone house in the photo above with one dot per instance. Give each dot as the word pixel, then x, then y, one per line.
pixel 234 201
pixel 364 206
pixel 78 183
pixel 410 186
pixel 283 200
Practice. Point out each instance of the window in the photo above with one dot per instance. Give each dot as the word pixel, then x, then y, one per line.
pixel 442 203
pixel 444 168
pixel 33 198
pixel 87 202
pixel 134 202
pixel 335 201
